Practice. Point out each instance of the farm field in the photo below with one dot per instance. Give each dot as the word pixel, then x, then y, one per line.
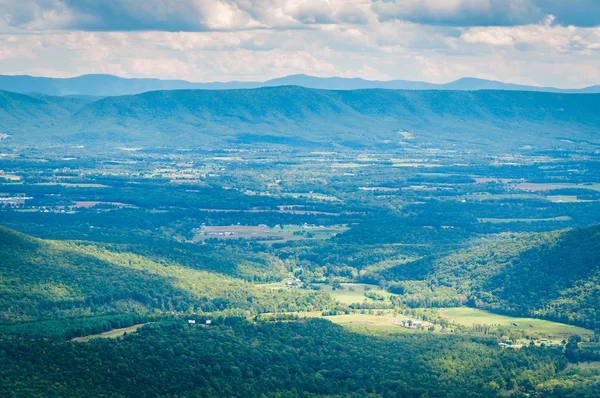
pixel 530 186
pixel 471 316
pixel 365 323
pixel 369 323
pixel 111 334
pixel 315 196
pixel 72 185
pixel 509 220
pixel 264 233
pixel 356 295
pixel 566 199
pixel 89 204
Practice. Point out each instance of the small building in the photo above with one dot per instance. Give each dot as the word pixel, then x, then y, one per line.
pixel 191 321
pixel 208 322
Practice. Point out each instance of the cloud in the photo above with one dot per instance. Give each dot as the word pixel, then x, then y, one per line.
pixel 467 13
pixel 232 15
pixel 523 41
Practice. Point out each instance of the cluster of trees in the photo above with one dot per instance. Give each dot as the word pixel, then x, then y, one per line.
pixel 236 358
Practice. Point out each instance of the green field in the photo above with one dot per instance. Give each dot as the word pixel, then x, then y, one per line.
pixel 356 295
pixel 365 323
pixel 509 220
pixel 111 334
pixel 470 316
pixel 529 186
pixel 343 296
pixel 266 234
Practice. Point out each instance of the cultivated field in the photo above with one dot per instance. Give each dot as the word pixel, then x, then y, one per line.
pixel 509 220
pixel 530 186
pixel 264 233
pixel 353 292
pixel 470 316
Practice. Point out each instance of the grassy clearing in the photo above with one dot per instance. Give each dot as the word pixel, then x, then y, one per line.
pixel 311 195
pixel 353 292
pixel 72 185
pixel 365 323
pixel 528 220
pixel 536 187
pixel 470 316
pixel 566 199
pixel 270 235
pixel 111 334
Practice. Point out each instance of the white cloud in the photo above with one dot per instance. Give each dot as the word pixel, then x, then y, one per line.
pixel 262 39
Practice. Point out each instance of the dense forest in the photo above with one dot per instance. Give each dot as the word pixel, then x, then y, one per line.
pixel 49 280
pixel 300 358
pixel 552 275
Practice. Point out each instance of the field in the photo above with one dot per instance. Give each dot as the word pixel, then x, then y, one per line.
pixel 509 220
pixel 389 322
pixel 315 196
pixel 72 185
pixel 366 322
pixel 470 316
pixel 356 295
pixel 566 199
pixel 89 204
pixel 111 334
pixel 264 233
pixel 528 186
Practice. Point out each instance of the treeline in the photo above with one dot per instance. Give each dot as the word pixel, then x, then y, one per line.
pixel 69 328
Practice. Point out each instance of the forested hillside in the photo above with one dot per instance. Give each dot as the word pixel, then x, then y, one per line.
pixel 50 280
pixel 553 275
pixel 307 117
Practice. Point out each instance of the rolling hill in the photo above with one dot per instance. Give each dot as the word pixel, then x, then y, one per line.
pixel 108 85
pixel 43 280
pixel 299 116
pixel 553 275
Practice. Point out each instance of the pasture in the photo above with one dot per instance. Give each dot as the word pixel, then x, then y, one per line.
pixel 535 187
pixel 267 234
pixel 528 220
pixel 111 334
pixel 470 316
pixel 353 292
pixel 566 199
pixel 365 323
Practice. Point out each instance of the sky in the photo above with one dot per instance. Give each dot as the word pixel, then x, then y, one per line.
pixel 539 42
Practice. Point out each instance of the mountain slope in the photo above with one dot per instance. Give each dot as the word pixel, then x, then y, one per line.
pixel 553 275
pixel 361 117
pixel 299 116
pixel 108 85
pixel 42 279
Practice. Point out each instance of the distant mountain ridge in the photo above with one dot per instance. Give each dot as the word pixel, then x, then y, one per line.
pixel 109 85
pixel 298 116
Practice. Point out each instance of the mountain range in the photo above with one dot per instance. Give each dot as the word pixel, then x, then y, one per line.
pixel 108 85
pixel 300 116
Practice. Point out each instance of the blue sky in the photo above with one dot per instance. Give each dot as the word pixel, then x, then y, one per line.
pixel 541 42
